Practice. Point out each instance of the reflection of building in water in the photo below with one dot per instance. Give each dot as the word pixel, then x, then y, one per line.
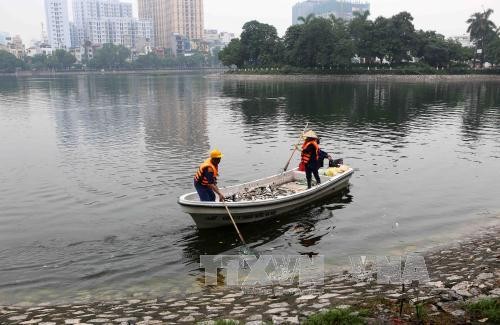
pixel 175 117
pixel 131 127
pixel 92 110
pixel 116 108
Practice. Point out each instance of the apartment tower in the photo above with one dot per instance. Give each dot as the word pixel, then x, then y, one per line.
pixel 56 13
pixel 172 18
pixel 108 21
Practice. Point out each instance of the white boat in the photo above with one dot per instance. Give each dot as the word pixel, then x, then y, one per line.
pixel 213 214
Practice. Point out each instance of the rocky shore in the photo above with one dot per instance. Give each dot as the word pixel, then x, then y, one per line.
pixel 460 274
pixel 358 78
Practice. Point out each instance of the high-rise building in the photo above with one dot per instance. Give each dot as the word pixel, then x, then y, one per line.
pixel 173 19
pixel 109 21
pixel 73 32
pixel 56 12
pixel 344 9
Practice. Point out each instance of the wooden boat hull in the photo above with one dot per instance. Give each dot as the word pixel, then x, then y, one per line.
pixel 213 214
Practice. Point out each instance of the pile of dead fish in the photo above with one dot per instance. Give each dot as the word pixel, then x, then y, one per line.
pixel 260 193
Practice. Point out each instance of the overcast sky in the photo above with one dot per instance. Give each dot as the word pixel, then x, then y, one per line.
pixel 445 16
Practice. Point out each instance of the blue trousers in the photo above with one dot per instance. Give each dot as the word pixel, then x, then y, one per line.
pixel 204 192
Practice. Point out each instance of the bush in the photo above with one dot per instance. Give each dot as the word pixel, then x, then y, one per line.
pixel 486 308
pixel 335 316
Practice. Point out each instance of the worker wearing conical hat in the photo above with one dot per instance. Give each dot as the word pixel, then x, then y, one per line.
pixel 205 179
pixel 309 157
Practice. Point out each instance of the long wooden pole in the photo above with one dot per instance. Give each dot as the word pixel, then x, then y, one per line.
pixel 234 223
pixel 295 149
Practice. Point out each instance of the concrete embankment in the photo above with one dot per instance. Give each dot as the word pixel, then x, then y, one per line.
pixel 359 78
pixel 459 274
pixel 114 72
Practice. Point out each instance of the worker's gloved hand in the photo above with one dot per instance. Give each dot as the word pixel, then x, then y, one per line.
pixel 221 199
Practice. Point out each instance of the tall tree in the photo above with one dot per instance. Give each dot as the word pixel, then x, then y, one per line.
pixel 432 48
pixel 258 43
pixel 343 48
pixel 306 20
pixel 314 45
pixel 380 35
pixel 360 29
pixel 9 62
pixel 290 42
pixel 111 56
pixel 401 37
pixel 481 30
pixel 232 54
pixel 39 61
pixel 493 51
pixel 60 60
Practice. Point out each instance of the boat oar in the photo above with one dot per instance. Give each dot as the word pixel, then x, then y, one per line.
pixel 295 148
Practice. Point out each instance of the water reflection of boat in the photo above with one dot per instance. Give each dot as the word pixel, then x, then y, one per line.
pixel 214 214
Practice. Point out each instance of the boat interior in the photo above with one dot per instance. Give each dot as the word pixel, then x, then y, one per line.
pixel 292 181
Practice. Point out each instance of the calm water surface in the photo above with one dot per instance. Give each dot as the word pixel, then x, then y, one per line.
pixel 92 166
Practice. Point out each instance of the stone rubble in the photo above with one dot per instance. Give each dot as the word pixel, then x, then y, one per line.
pixel 464 272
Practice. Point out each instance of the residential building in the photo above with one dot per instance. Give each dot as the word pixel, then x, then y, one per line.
pixel 78 53
pixel 215 41
pixel 109 21
pixel 39 48
pixel 226 37
pixel 344 9
pixel 211 35
pixel 173 19
pixel 180 45
pixel 56 13
pixel 16 47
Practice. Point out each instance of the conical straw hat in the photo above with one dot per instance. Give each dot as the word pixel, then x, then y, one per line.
pixel 310 134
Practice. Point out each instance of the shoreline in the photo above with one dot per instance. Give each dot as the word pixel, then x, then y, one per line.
pixel 361 78
pixel 221 74
pixel 113 72
pixel 460 272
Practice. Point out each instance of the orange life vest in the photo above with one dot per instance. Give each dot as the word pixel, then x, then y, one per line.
pixel 305 157
pixel 200 177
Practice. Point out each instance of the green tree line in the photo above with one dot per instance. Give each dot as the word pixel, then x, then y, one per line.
pixel 333 42
pixel 108 57
pixel 59 60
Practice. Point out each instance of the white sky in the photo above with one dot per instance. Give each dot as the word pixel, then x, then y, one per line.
pixel 445 16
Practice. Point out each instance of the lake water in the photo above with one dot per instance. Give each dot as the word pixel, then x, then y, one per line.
pixel 92 166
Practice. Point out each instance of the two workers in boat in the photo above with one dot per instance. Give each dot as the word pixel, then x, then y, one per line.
pixel 312 157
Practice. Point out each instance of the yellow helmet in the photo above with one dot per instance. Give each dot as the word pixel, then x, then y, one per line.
pixel 216 154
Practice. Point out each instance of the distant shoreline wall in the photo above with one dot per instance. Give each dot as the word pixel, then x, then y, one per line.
pixel 361 78
pixel 142 72
pixel 217 73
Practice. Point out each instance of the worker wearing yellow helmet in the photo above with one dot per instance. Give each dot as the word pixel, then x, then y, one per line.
pixel 205 179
